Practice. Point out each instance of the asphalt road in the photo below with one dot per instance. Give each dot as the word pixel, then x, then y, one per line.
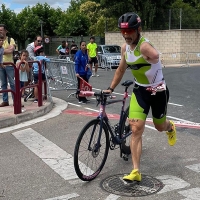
pixel 36 162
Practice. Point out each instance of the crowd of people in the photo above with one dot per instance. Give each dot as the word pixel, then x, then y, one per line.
pixel 84 57
pixel 27 72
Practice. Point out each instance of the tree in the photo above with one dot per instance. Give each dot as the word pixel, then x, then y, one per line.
pixel 93 11
pixel 30 19
pixel 73 24
pixel 150 11
pixel 190 17
pixel 9 18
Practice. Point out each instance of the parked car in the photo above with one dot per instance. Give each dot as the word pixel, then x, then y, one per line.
pixel 109 56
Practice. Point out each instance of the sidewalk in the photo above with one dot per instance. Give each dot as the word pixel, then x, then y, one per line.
pixel 29 111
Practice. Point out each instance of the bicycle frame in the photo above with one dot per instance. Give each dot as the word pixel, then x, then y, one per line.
pixel 104 119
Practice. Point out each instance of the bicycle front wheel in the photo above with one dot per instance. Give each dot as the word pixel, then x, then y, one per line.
pixel 89 154
pixel 125 129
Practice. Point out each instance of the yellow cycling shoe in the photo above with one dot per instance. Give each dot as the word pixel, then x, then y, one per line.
pixel 133 176
pixel 172 135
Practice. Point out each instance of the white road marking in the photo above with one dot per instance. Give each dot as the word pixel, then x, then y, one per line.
pixel 172 183
pixel 195 167
pixel 55 157
pixel 178 119
pixel 191 194
pixel 96 89
pixel 60 105
pixel 147 126
pixel 76 181
pixel 112 197
pixel 174 104
pixel 92 109
pixel 64 197
pixel 73 104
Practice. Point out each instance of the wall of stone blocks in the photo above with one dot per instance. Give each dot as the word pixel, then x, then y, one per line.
pixel 166 41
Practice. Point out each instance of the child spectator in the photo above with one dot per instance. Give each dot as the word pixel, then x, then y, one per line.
pixel 23 68
pixel 39 56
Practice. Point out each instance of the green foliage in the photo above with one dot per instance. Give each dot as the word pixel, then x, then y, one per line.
pixel 31 19
pixel 190 17
pixel 73 24
pixel 9 18
pixel 94 17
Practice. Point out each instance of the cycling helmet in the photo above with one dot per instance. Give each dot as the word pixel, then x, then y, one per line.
pixel 129 20
pixel 38 49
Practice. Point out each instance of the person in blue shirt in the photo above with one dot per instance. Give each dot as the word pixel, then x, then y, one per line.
pixel 82 67
pixel 39 56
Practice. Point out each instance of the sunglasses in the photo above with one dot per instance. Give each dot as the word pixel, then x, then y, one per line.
pixel 39 41
pixel 127 31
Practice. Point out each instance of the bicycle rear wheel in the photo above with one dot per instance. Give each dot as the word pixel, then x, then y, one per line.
pixel 89 159
pixel 125 129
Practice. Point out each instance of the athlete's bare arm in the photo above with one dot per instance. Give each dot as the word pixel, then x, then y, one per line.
pixel 121 69
pixel 149 53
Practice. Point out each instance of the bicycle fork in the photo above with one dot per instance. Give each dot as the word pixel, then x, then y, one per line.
pixel 96 148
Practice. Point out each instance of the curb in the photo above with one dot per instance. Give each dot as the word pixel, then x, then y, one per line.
pixel 26 116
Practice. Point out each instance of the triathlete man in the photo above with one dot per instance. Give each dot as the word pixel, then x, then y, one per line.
pixel 150 90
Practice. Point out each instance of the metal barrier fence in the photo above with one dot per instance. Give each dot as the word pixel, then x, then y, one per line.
pixel 107 62
pixel 18 91
pixel 178 58
pixel 61 75
pixel 193 58
pixel 103 63
pixel 181 58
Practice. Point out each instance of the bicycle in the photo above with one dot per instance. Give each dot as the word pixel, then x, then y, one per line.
pixel 94 139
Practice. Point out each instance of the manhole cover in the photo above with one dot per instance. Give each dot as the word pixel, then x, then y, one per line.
pixel 116 185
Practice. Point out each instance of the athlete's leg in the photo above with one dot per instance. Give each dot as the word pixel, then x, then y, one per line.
pixel 137 127
pixel 159 111
pixel 137 117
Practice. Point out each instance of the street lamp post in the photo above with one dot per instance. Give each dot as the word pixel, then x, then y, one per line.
pixel 41 25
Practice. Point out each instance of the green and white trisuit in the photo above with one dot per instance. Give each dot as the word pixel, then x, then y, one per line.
pixel 149 90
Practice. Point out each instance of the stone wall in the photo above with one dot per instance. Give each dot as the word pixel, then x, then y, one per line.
pixel 166 41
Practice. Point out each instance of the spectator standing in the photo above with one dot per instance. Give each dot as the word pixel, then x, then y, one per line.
pixel 23 68
pixel 30 47
pixel 92 55
pixel 1 50
pixel 73 49
pixel 1 53
pixel 82 67
pixel 67 49
pixel 62 50
pixel 39 56
pixel 7 71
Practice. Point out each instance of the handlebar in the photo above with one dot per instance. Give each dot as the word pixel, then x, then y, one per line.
pixel 101 96
pixel 96 94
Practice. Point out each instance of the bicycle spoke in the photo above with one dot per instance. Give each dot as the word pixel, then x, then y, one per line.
pixel 90 154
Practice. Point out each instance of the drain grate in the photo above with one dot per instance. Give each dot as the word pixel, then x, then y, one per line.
pixel 116 185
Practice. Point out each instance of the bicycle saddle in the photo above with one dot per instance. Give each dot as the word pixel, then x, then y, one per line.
pixel 127 83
